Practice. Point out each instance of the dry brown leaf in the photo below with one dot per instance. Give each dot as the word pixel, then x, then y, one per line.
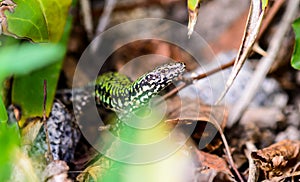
pixel 277 158
pixel 212 162
pixel 187 111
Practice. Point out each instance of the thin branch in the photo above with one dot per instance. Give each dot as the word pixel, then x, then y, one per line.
pixel 87 17
pixel 103 21
pixel 227 149
pixel 213 71
pixel 281 178
pixel 49 153
pixel 253 169
pixel 199 77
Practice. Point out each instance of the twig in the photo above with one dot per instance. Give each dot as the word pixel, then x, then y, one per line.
pixel 227 149
pixel 265 63
pixel 49 156
pixel 284 177
pixel 253 170
pixel 256 48
pixel 87 17
pixel 199 77
pixel 103 21
pixel 213 71
pixel 294 170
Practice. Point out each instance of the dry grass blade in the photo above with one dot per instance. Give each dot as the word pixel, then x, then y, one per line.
pixel 254 21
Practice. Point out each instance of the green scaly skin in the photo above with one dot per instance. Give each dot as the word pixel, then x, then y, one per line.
pixel 118 93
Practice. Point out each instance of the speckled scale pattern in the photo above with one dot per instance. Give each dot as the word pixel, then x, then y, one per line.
pixel 118 93
pixel 63 133
pixel 112 91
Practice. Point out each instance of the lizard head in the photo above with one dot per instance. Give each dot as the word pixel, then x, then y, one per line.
pixel 151 83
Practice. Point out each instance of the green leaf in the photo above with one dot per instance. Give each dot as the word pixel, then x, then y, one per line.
pixel 27 57
pixel 264 4
pixel 28 91
pixel 296 54
pixel 193 9
pixel 9 144
pixel 3 113
pixel 38 20
pixel 193 4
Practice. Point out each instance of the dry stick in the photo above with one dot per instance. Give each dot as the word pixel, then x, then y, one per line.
pixel 87 17
pixel 213 71
pixel 227 149
pixel 294 170
pixel 199 77
pixel 253 169
pixel 283 177
pixel 50 156
pixel 103 21
pixel 265 63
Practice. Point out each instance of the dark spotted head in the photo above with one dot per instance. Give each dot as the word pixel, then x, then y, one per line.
pixel 150 84
pixel 163 75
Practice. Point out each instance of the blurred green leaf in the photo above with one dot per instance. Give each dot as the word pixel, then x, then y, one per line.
pixel 3 113
pixel 27 57
pixel 23 59
pixel 264 4
pixel 28 91
pixel 193 4
pixel 193 9
pixel 120 171
pixel 296 54
pixel 9 143
pixel 38 20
